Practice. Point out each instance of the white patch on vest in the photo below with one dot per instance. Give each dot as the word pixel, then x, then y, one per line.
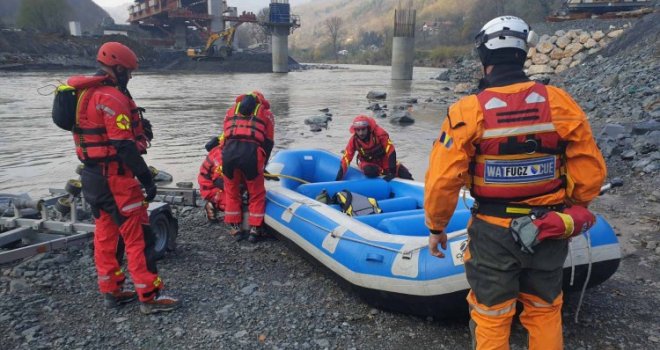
pixel 520 171
pixel 534 98
pixel 495 103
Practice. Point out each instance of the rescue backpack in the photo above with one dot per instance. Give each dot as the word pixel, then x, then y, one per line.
pixel 64 107
pixel 355 204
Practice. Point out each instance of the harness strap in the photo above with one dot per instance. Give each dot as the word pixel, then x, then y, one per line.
pixel 510 210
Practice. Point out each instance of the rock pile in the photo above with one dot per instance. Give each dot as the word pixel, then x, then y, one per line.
pixel 566 49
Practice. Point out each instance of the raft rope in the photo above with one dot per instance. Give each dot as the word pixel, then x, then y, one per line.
pixel 286 177
pixel 405 254
pixel 586 281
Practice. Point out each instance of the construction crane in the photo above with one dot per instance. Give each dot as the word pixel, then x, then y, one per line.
pixel 210 51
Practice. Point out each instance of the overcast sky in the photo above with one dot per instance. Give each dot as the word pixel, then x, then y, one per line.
pixel 243 5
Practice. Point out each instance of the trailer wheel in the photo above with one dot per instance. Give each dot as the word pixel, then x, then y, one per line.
pixel 63 205
pixel 73 187
pixel 164 233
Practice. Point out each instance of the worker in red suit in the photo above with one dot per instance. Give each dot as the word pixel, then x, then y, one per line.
pixel 110 135
pixel 249 139
pixel 375 151
pixel 210 179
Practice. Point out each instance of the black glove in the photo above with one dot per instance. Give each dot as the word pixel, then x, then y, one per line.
pixel 148 131
pixel 147 180
pixel 219 183
pixel 388 177
pixel 214 142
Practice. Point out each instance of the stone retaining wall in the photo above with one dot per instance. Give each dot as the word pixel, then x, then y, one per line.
pixel 566 49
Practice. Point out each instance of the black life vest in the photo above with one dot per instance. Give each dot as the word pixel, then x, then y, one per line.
pixel 355 204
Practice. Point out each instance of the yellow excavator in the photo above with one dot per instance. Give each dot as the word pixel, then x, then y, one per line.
pixel 210 51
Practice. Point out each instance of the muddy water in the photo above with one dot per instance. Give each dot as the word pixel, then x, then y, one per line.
pixel 187 109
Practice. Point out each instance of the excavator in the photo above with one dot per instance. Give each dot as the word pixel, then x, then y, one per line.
pixel 210 51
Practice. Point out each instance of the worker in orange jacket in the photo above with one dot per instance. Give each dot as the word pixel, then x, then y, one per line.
pixel 249 139
pixel 520 147
pixel 210 179
pixel 375 151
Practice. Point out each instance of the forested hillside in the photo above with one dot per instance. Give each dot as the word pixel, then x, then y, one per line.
pixel 52 13
pixel 366 26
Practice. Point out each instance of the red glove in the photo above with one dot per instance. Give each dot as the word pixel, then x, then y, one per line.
pixel 561 225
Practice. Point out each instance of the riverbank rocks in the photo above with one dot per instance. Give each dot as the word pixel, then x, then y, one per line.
pixel 318 122
pixel 402 117
pixel 376 95
pixel 566 49
pixel 635 147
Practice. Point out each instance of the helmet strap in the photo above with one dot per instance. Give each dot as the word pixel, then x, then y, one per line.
pixel 122 78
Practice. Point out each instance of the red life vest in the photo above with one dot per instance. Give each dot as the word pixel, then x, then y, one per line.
pixel 369 151
pixel 89 132
pixel 211 169
pixel 520 155
pixel 250 128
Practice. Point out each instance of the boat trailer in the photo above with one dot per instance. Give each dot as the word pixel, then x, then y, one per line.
pixel 29 227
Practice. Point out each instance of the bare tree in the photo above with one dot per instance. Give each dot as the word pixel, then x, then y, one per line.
pixel 334 27
pixel 260 32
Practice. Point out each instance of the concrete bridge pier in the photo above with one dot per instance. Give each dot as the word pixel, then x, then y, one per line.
pixel 280 48
pixel 403 44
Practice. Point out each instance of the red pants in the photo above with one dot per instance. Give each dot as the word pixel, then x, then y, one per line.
pixel 252 163
pixel 117 203
pixel 215 196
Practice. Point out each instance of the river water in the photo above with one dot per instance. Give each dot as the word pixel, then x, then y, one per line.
pixel 187 109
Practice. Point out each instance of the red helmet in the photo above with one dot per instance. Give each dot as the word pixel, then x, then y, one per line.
pixel 361 121
pixel 117 54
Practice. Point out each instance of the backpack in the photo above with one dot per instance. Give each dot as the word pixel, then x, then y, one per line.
pixel 64 107
pixel 355 204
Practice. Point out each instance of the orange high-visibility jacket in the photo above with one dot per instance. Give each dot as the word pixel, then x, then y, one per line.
pixel 463 128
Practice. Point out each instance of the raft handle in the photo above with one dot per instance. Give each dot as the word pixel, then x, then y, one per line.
pixel 375 257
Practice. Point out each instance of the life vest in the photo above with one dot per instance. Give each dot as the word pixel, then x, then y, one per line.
pixel 520 155
pixel 369 151
pixel 89 132
pixel 211 169
pixel 249 128
pixel 355 204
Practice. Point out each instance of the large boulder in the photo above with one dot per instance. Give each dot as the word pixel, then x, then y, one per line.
pixel 376 95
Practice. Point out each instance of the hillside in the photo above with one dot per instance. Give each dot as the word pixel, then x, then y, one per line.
pixel 86 12
pixel 450 22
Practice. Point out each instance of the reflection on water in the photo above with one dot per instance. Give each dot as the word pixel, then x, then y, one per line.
pixel 187 109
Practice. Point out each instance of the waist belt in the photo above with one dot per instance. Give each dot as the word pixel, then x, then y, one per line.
pixel 107 166
pixel 511 210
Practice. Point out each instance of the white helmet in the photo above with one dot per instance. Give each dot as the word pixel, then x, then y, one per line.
pixel 505 32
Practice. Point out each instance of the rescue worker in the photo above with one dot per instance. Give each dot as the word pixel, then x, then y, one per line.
pixel 375 151
pixel 249 140
pixel 210 179
pixel 519 146
pixel 109 136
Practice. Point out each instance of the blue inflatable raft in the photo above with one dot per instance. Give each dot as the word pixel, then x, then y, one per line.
pixel 385 256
